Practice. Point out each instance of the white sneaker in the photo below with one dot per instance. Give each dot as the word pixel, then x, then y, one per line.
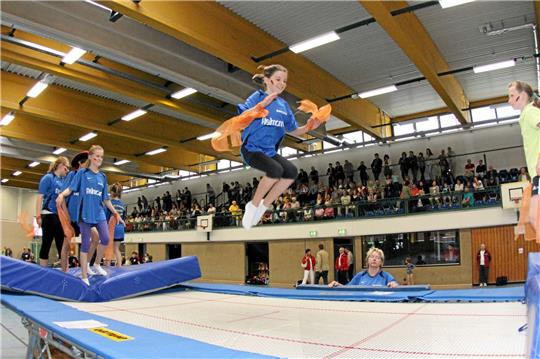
pixel 86 281
pixel 261 210
pixel 99 270
pixel 89 270
pixel 249 213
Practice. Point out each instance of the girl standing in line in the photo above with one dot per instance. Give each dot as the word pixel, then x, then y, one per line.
pixel 92 187
pixel 50 186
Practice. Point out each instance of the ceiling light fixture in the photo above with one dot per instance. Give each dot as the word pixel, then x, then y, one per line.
pixel 88 136
pixel 378 91
pixel 59 151
pixel 33 164
pixel 121 162
pixel 314 42
pixel 155 152
pixel 183 93
pixel 17 173
pixel 445 4
pixel 495 66
pixel 209 136
pixel 134 115
pixel 73 55
pixel 6 120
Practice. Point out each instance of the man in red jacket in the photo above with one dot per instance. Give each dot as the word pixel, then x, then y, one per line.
pixel 342 266
pixel 308 263
pixel 483 258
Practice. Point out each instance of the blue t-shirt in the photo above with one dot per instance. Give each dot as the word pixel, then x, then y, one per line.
pixel 92 188
pixel 73 201
pixel 50 186
pixel 381 279
pixel 265 134
pixel 120 207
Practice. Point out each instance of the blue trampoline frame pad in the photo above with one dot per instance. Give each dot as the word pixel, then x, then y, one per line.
pixel 532 289
pixel 118 339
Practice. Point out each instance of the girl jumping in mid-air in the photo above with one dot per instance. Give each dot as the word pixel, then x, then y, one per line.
pixel 261 140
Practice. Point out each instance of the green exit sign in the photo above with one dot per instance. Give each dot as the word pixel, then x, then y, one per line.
pixel 313 233
pixel 342 231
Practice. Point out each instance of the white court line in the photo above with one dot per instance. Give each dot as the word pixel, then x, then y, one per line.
pixel 314 328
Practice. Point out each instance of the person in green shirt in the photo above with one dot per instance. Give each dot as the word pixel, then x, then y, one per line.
pixel 521 97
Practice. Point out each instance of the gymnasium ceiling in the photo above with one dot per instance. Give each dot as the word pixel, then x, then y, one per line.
pixel 155 48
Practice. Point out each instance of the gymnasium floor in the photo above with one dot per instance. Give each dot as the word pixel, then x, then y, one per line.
pixel 313 329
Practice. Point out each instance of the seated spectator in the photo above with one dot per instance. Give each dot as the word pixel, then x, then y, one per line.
pixel 459 186
pixel 308 213
pixel 134 259
pixel 524 175
pixel 434 193
pixel 26 255
pixel 469 169
pixel 491 177
pixel 8 252
pixel 477 184
pixel 374 274
pixel 211 209
pixel 329 210
pixel 481 169
pixel 468 198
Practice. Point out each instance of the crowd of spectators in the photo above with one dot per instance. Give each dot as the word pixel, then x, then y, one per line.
pixel 416 182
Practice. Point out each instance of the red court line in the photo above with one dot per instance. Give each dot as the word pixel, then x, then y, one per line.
pixel 376 334
pixel 364 311
pixel 252 317
pixel 298 341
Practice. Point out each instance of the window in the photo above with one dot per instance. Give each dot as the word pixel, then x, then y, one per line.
pixel 506 111
pixel 403 129
pixel 223 164
pixel 354 137
pixel 448 121
pixel 431 123
pixel 438 247
pixel 287 151
pixel 483 114
pixel 328 145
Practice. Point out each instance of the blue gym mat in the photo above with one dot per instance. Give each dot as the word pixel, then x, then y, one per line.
pixel 120 283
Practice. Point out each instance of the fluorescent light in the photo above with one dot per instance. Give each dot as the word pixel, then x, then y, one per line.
pixel 209 136
pixel 37 89
pixel 5 180
pixel 33 164
pixel 155 152
pixel 183 93
pixel 98 5
pixel 121 162
pixel 378 91
pixel 495 66
pixel 59 151
pixel 125 187
pixel 449 3
pixel 133 115
pixel 17 173
pixel 73 55
pixel 6 120
pixel 88 136
pixel 314 42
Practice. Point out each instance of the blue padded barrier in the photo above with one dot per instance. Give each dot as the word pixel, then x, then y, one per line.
pixel 375 294
pixel 372 294
pixel 364 288
pixel 146 343
pixel 122 282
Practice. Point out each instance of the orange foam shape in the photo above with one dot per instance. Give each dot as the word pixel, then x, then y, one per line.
pixel 230 129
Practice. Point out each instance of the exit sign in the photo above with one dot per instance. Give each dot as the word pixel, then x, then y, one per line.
pixel 342 231
pixel 313 233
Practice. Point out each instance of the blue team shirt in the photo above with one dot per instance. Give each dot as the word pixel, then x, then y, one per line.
pixel 92 188
pixel 265 134
pixel 381 279
pixel 120 207
pixel 50 186
pixel 73 201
